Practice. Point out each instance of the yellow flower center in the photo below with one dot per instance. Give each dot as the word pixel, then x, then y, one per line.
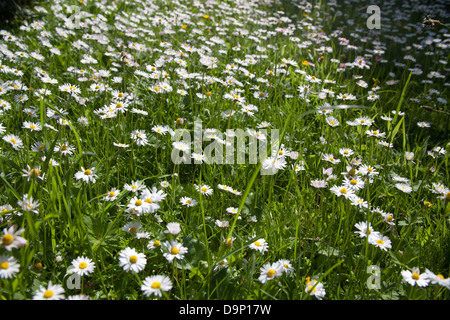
pixel 156 243
pixel 64 148
pixel 133 259
pixel 415 276
pixel 156 285
pixel 87 172
pixel 34 173
pixel 82 265
pixel 257 244
pixel 148 200
pixel 311 287
pixel 343 190
pixel 390 218
pixel 353 181
pixel 204 189
pixel 48 294
pixel 13 141
pixel 379 241
pixel 271 273
pixel 174 250
pixel 4 265
pixel 111 194
pixel 132 230
pixel 138 202
pixel 332 122
pixel 331 159
pixel 7 239
pixel 188 201
pixel 32 126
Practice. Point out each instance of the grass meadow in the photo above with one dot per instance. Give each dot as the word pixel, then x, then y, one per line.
pixel 95 94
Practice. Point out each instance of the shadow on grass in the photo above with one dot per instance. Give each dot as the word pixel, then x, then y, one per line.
pixel 10 10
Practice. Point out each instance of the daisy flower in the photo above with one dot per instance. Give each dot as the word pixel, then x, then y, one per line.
pixel 332 121
pixel 121 145
pixel 330 158
pixel 403 187
pixel 270 271
pixel 33 126
pixel 131 260
pixel 111 195
pixel 154 285
pixel 367 170
pixel 27 204
pixel 8 266
pixel 437 279
pixel 173 228
pixel 380 241
pixel 132 227
pixel 182 146
pixel 160 129
pixel 174 250
pixel 345 152
pixel 153 244
pixel 134 186
pixel 414 277
pixel 81 266
pixel 204 189
pixel 14 140
pixel 319 183
pixel 198 158
pixel 188 202
pixel 164 184
pixel 137 206
pixel 51 292
pixel 271 165
pixel 64 149
pixel 87 175
pixel 365 229
pixel 364 121
pixel 423 124
pixel 315 288
pixel 376 133
pixel 343 191
pixel 286 265
pixel 34 173
pixel 355 183
pixel 224 187
pixel 260 245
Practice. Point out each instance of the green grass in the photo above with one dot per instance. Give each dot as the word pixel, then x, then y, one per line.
pixel 312 228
